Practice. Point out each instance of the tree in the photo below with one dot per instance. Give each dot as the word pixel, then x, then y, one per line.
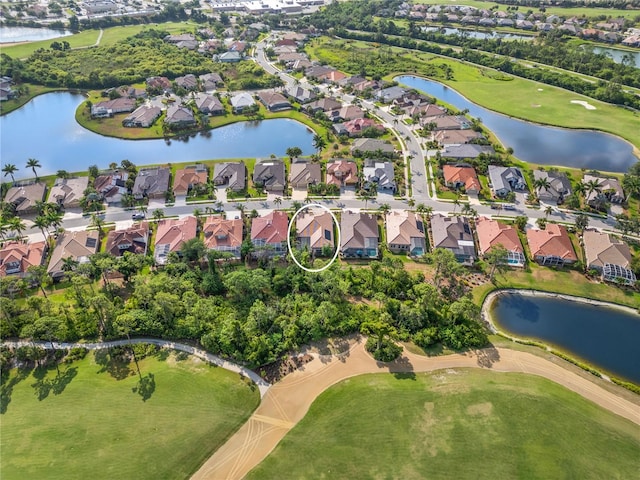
pixel 521 222
pixel 124 325
pixel 96 221
pixel 32 163
pixel 319 143
pixel 631 185
pixel 497 258
pixel 277 201
pixel 193 250
pixel 592 186
pixel 383 333
pixel 62 174
pixel 548 211
pixel 38 277
pixel 293 152
pixel 446 264
pixel 456 203
pixel 69 264
pixel 541 223
pixel 158 214
pixel 10 169
pixel 17 225
pixel 43 224
pixel 542 183
pixel 582 222
pixel 384 209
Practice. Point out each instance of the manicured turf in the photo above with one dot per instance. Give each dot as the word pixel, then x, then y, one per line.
pixel 94 426
pixel 455 424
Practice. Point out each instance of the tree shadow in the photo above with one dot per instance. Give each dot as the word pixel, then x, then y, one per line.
pixel 145 386
pixel 163 353
pixel 401 368
pixel 486 357
pixel 8 382
pixel 116 367
pixel 56 385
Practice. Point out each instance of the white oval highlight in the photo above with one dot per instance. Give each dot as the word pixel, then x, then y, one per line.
pixel 336 243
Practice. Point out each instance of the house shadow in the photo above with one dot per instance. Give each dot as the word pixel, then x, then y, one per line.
pixel 7 383
pixel 486 357
pixel 115 367
pixel 145 387
pixel 56 385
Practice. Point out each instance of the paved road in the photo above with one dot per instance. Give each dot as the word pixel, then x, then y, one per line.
pixel 263 386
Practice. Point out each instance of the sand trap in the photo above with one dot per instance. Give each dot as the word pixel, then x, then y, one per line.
pixel 535 105
pixel 586 105
pixel 541 89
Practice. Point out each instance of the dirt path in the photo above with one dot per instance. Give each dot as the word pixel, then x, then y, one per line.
pixel 286 402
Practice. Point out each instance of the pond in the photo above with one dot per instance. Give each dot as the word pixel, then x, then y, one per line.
pixel 618 55
pixel 29 34
pixel 46 129
pixel 478 34
pixel 605 337
pixel 537 143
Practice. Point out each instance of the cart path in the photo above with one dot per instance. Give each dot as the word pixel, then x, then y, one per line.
pixel 287 401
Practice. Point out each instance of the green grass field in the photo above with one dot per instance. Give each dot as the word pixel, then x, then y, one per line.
pixel 90 424
pixel 455 424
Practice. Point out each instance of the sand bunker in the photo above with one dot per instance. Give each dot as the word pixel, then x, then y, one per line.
pixel 586 105
pixel 540 89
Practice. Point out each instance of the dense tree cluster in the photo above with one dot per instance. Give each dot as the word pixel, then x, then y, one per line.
pixel 252 315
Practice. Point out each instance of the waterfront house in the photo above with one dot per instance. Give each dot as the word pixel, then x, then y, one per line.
pixel 445 122
pixel 188 177
pixel 109 108
pixel 551 246
pixel 67 192
pixel 466 151
pixel 346 113
pixel 610 190
pixel 274 101
pixel 381 174
pixel 228 57
pixel 559 186
pixel 269 234
pixel 158 84
pixel 388 95
pixel 134 239
pixel 405 233
pixel 17 257
pixel 25 197
pixel 241 101
pixel 171 235
pixel 359 235
pixel 454 233
pixel 151 182
pixel 223 235
pixel 491 233
pixel 355 127
pixel 112 185
pixel 342 173
pixel 314 229
pixel 608 255
pixel 446 138
pixel 505 179
pixel 302 174
pixel 269 175
pixel 78 245
pixel 208 104
pixel 232 174
pixel 300 94
pixel 142 117
pixel 326 104
pixel 372 145
pixel 456 176
pixel 179 116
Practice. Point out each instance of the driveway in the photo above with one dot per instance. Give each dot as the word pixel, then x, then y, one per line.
pixel 299 194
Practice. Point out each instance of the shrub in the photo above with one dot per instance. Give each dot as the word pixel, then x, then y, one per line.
pixel 387 352
pixel 76 353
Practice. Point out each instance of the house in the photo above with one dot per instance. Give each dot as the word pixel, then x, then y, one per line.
pixel 130 92
pixel 342 173
pixel 456 176
pixel 274 101
pixel 609 256
pixel 134 239
pixel 25 197
pixel 110 107
pixel 300 94
pixel 372 145
pixel 316 71
pixel 302 174
pixel 491 233
pixel 171 235
pixel 158 84
pixel 151 182
pixel 188 177
pixel 188 82
pixel 405 233
pixel 270 175
pixel 334 76
pixel 112 185
pixel 78 245
pixel 559 186
pixel 269 234
pixel 346 113
pixel 551 246
pixel 445 122
pixel 67 192
pixel 466 151
pixel 238 46
pixel 208 104
pixel 610 190
pixel 358 235
pixel 183 37
pixel 241 101
pixel 232 174
pixel 388 95
pixel 223 235
pixel 315 230
pixel 355 127
pixel 454 233
pixel 425 110
pixel 325 104
pixel 210 81
pixel 455 137
pixel 17 257
pixel 142 117
pixel 179 116
pixel 381 174
pixel 505 179
pixel 228 57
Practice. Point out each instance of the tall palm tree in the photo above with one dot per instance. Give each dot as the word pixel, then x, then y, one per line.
pixel 384 209
pixel 631 184
pixel 541 183
pixel 580 188
pixel 17 225
pixel 592 186
pixel 96 221
pixel 456 203
pixel 158 214
pixel 411 202
pixel 42 222
pixel 10 169
pixel 69 264
pixel 277 201
pixel 32 163
pixel 548 211
pixel 319 143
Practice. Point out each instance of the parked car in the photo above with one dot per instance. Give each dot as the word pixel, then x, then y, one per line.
pixel 508 206
pixel 138 216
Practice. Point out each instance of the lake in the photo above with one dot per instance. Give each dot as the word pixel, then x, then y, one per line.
pixel 46 129
pixel 617 55
pixel 29 34
pixel 478 34
pixel 605 337
pixel 537 143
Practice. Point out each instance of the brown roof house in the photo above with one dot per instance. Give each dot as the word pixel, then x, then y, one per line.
pixel 171 235
pixel 405 233
pixel 302 174
pixel 608 255
pixel 25 197
pixel 315 232
pixel 223 235
pixel 454 233
pixel 67 192
pixel 179 116
pixel 109 108
pixel 208 104
pixel 269 175
pixel 610 190
pixel 456 176
pixel 269 234
pixel 274 101
pixel 491 233
pixel 142 117
pixel 17 257
pixel 188 177
pixel 112 185
pixel 232 174
pixel 134 239
pixel 359 235
pixel 342 173
pixel 76 245
pixel 551 246
pixel 151 182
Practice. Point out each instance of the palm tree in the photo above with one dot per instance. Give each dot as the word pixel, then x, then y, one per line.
pixel 580 188
pixel 296 206
pixel 592 186
pixel 541 183
pixel 42 222
pixel 466 209
pixel 319 143
pixel 277 201
pixel 384 209
pixel 96 221
pixel 411 202
pixel 548 211
pixel 69 264
pixel 32 163
pixel 158 214
pixel 10 169
pixel 631 184
pixel 17 225
pixel 456 203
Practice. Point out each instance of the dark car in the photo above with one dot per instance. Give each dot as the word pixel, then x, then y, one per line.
pixel 138 216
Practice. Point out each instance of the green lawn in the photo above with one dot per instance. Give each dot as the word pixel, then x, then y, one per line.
pixel 455 424
pixel 95 425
